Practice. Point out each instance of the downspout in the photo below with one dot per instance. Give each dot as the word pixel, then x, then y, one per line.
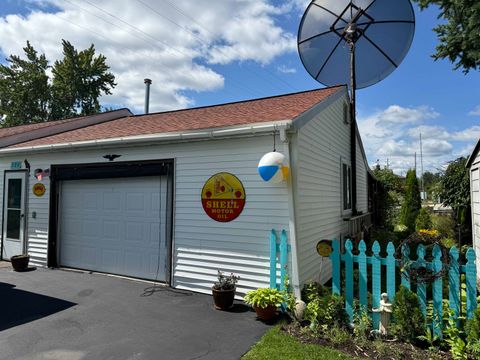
pixel 295 280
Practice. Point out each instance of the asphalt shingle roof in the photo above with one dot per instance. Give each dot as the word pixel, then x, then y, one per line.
pixel 276 108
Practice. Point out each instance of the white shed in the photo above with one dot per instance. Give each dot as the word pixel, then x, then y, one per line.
pixel 473 164
pixel 122 194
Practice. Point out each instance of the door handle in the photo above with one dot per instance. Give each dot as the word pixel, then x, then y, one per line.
pixel 22 215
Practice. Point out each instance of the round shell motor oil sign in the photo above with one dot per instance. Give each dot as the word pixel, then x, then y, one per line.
pixel 223 197
pixel 39 189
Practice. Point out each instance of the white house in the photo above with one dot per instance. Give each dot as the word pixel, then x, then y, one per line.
pixel 473 164
pixel 129 195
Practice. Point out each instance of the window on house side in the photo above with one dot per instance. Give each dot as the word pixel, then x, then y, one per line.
pixel 347 186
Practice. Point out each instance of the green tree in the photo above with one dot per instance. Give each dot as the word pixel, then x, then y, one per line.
pixel 430 183
pixel 79 79
pixel 24 88
pixel 458 34
pixel 412 202
pixel 455 188
pixel 387 197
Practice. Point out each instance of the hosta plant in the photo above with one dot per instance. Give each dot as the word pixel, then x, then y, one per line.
pixel 264 297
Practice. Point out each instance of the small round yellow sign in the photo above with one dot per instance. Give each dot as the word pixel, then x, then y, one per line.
pixel 324 248
pixel 39 189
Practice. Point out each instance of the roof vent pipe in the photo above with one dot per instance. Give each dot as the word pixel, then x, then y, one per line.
pixel 147 82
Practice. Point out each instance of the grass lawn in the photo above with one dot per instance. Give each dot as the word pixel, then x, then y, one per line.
pixel 277 345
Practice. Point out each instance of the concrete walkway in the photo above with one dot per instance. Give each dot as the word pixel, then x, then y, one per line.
pixel 57 314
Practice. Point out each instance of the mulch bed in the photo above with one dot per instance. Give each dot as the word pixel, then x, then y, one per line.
pixel 391 350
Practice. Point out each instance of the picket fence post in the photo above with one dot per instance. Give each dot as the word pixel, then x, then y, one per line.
pixel 376 282
pixel 283 259
pixel 273 259
pixel 405 259
pixel 391 271
pixel 437 292
pixel 471 278
pixel 336 267
pixel 454 283
pixel 422 288
pixel 362 274
pixel 349 279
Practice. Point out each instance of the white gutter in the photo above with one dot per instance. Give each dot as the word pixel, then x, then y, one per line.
pixel 164 137
pixel 291 214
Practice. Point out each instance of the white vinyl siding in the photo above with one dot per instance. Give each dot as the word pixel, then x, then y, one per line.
pixel 201 245
pixel 323 146
pixel 362 182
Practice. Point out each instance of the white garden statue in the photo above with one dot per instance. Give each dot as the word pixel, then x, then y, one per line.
pixel 385 311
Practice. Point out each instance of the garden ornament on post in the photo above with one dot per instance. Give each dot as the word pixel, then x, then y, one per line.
pixel 385 311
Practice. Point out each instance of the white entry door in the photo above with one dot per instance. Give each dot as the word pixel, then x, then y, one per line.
pixel 14 214
pixel 116 226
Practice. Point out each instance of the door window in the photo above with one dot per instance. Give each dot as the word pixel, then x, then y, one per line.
pixel 14 208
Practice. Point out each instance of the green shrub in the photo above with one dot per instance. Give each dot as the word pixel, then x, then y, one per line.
pixel 409 322
pixel 362 324
pixel 314 290
pixel 325 312
pixel 445 225
pixel 454 338
pixel 424 220
pixel 472 328
pixel 337 335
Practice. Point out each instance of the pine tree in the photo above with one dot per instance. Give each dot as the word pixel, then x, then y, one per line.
pixel 24 89
pixel 458 32
pixel 412 202
pixel 27 95
pixel 79 79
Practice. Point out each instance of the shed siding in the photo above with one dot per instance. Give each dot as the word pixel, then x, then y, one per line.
pixel 322 143
pixel 201 245
pixel 362 185
pixel 475 198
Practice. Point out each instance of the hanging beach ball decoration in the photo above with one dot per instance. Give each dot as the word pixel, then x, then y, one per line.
pixel 272 167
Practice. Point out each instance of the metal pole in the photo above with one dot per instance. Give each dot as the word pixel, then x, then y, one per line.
pixel 147 83
pixel 353 127
pixel 421 167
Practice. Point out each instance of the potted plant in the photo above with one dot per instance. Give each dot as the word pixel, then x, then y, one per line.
pixel 265 301
pixel 20 262
pixel 223 290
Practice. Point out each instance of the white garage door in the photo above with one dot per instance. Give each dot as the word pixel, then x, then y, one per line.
pixel 115 226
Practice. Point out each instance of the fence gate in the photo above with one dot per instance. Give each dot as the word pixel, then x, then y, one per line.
pixel 386 268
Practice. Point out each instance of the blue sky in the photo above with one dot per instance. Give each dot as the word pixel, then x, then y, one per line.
pixel 214 51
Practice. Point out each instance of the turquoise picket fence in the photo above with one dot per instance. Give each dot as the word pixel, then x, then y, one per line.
pixel 389 266
pixel 279 250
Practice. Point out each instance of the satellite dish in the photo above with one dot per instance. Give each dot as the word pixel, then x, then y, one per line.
pixel 379 31
pixel 355 42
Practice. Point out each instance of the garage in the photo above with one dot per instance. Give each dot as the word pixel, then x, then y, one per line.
pixel 118 225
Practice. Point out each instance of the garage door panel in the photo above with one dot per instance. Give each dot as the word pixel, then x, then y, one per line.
pixel 114 225
pixel 113 201
pixel 112 230
pixel 90 200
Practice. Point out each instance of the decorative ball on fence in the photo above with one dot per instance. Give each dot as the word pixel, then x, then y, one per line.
pixel 272 167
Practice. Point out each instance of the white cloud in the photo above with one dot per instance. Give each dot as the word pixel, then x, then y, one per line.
pixel 393 134
pixel 429 132
pixel 470 134
pixel 396 114
pixel 174 44
pixel 475 112
pixel 286 70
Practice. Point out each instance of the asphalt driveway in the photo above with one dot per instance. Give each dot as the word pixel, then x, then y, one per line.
pixel 57 314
